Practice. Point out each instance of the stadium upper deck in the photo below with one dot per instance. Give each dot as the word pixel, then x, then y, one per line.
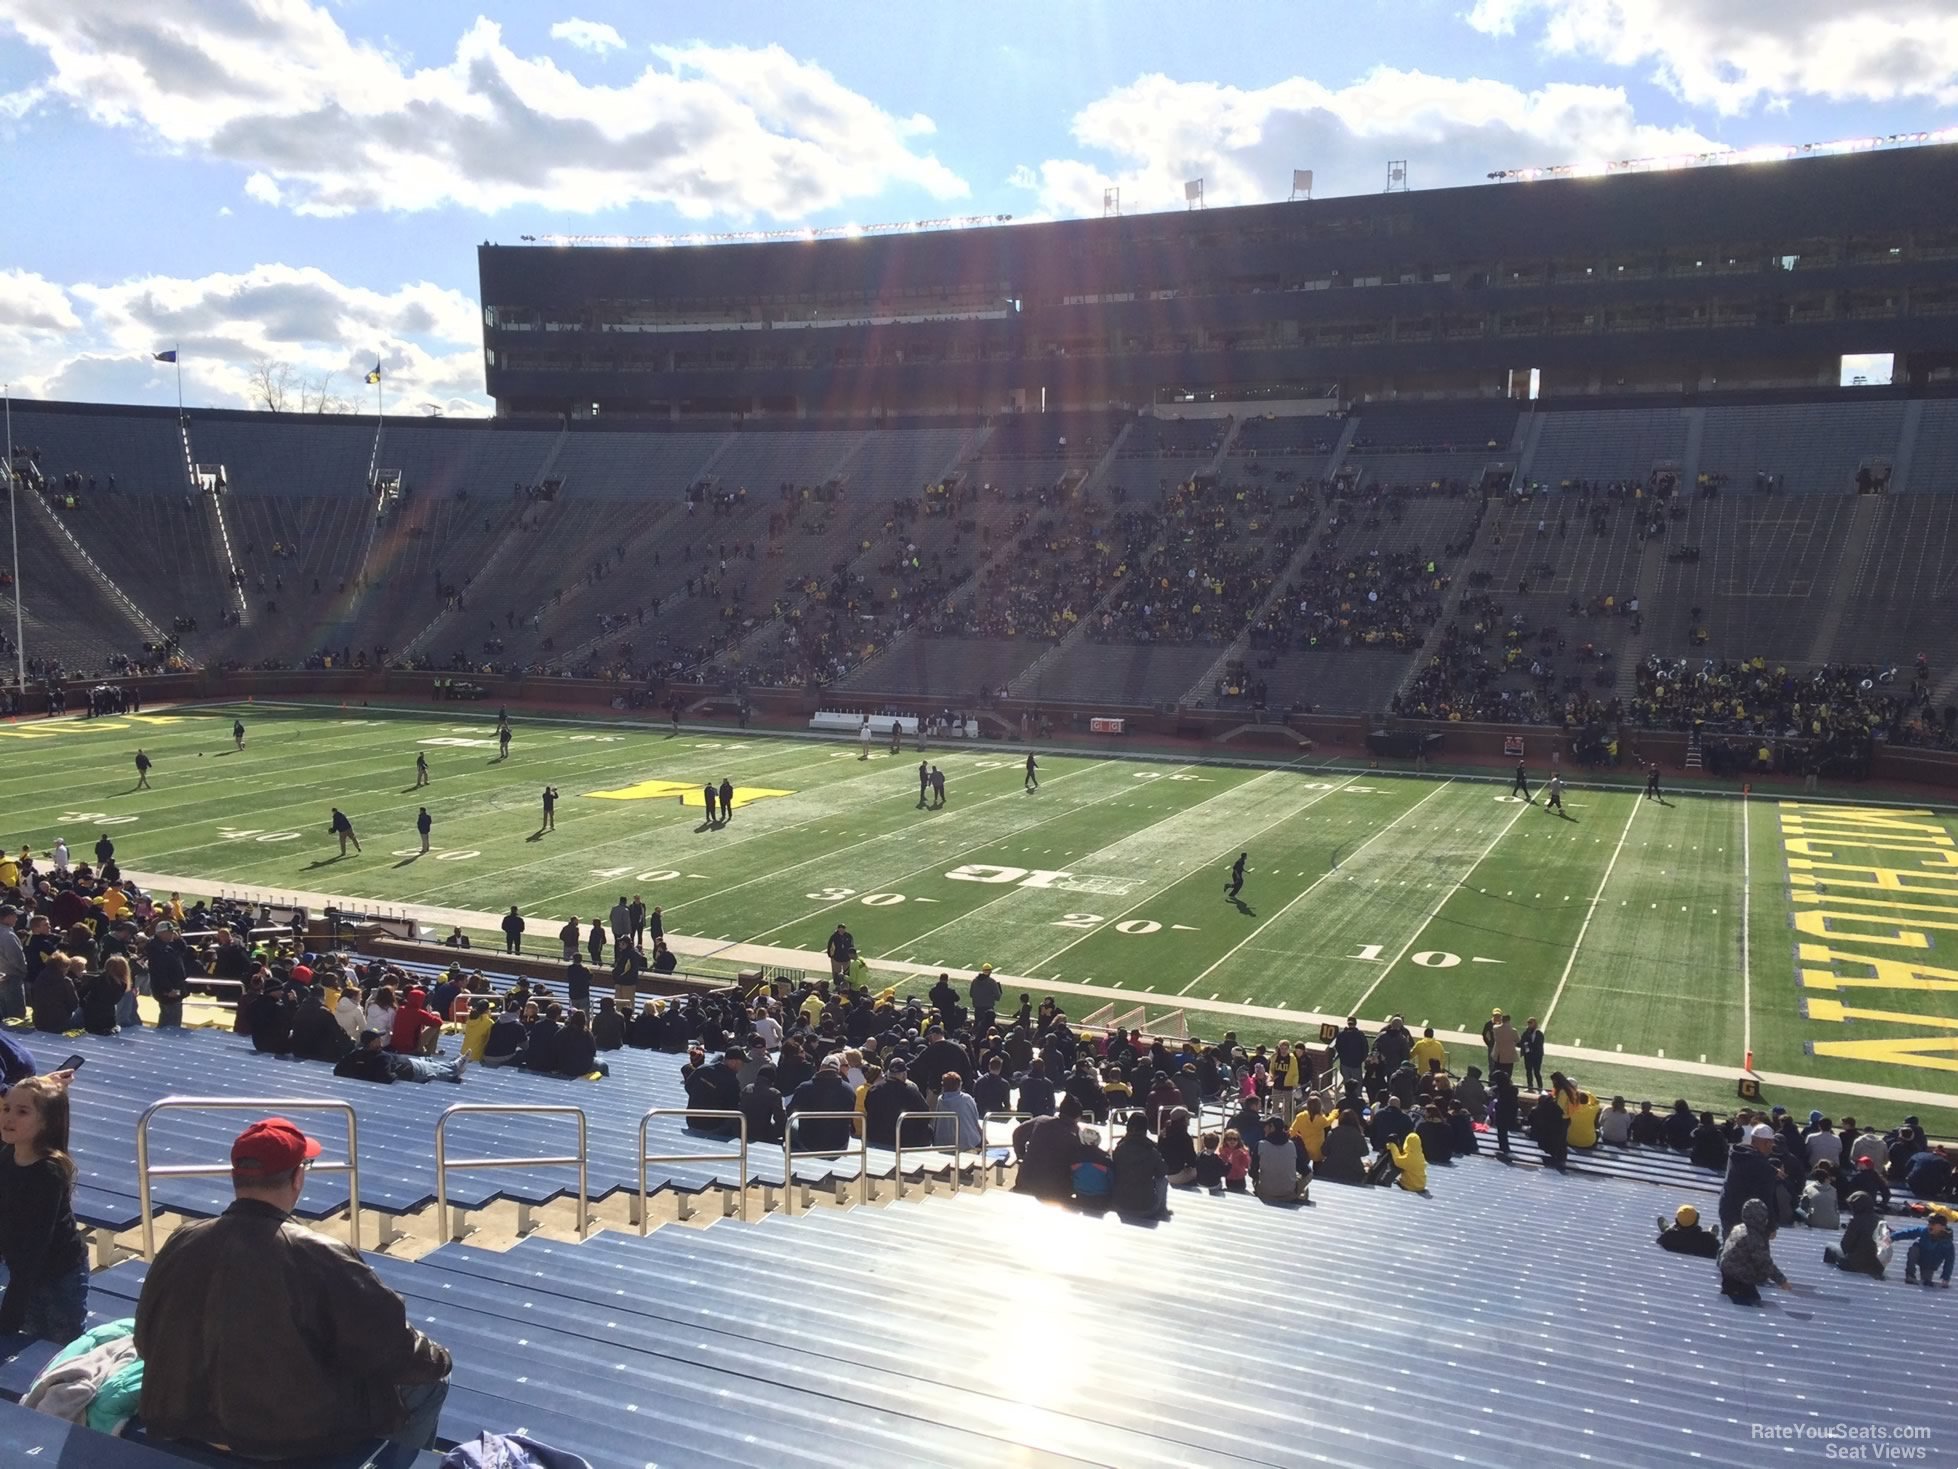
pixel 1748 275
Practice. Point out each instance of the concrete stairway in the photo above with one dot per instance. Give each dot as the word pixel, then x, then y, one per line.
pixel 1849 570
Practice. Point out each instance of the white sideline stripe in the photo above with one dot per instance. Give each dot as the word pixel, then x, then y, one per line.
pixel 1591 912
pixel 1202 870
pixel 1321 878
pixel 1433 912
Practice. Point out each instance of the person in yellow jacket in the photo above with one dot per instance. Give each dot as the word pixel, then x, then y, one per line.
pixel 1583 1115
pixel 1287 1072
pixel 872 1074
pixel 1428 1049
pixel 1310 1127
pixel 476 1029
pixel 1412 1160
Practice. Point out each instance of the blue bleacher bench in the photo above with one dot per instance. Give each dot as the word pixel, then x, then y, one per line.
pixel 29 1439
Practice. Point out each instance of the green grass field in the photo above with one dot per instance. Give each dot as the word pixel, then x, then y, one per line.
pixel 1665 931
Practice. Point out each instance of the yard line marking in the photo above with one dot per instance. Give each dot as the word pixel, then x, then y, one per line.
pixel 1321 878
pixel 1571 963
pixel 1462 881
pixel 1010 891
pixel 1158 894
pixel 871 840
pixel 752 833
pixel 1746 966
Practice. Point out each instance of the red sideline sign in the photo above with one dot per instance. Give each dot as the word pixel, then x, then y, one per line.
pixel 1105 726
pixel 1512 745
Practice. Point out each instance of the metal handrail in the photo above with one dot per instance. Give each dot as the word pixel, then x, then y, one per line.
pixel 861 1148
pixel 986 1121
pixel 443 1163
pixel 957 1149
pixel 266 1106
pixel 689 1113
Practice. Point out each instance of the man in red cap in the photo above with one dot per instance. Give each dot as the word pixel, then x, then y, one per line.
pixel 264 1338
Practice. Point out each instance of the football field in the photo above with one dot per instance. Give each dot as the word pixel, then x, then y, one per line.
pixel 1682 935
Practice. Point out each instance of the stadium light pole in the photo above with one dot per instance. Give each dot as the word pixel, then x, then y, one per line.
pixel 13 534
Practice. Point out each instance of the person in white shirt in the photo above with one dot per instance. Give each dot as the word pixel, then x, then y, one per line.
pixel 380 1010
pixel 1823 1144
pixel 347 1012
pixel 768 1028
pixel 60 854
pixel 1615 1124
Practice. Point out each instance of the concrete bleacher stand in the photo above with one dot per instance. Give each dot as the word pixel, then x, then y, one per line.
pixel 1512 1315
pixel 1806 573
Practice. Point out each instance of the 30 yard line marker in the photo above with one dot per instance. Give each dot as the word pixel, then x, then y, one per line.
pixel 1590 913
pixel 1156 894
pixel 1010 891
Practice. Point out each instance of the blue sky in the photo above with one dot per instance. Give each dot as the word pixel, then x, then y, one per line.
pixel 304 184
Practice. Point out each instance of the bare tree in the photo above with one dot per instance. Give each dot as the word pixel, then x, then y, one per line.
pixel 316 395
pixel 271 384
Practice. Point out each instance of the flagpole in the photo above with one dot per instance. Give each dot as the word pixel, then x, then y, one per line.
pixel 13 527
pixel 380 415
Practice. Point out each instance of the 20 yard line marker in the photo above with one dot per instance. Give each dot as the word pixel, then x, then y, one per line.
pixel 1317 880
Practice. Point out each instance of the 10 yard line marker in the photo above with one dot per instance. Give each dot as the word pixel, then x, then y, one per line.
pixel 1460 882
pixel 1590 913
pixel 1319 879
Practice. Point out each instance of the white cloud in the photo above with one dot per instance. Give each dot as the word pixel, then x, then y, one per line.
pixel 588 35
pixel 341 125
pixel 94 341
pixel 1733 54
pixel 262 188
pixel 33 303
pixel 1243 144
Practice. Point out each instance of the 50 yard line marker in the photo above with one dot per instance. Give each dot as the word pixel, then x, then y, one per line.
pixel 1321 878
pixel 1590 913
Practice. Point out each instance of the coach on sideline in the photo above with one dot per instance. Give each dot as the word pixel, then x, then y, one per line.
pixel 273 1342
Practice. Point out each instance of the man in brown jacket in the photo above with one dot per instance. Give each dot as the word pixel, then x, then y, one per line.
pixel 259 1336
pixel 1502 1043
